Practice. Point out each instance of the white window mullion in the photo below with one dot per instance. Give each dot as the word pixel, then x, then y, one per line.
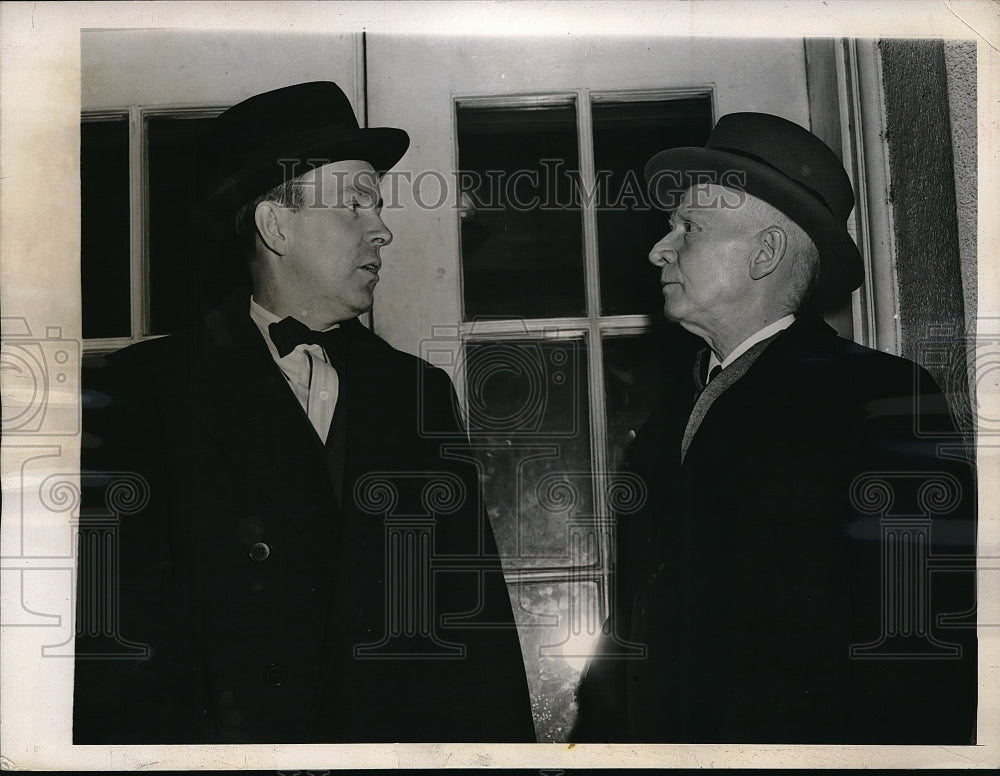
pixel 512 328
pixel 137 228
pixel 588 177
pixel 595 346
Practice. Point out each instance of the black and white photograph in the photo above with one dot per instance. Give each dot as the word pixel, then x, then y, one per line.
pixel 540 386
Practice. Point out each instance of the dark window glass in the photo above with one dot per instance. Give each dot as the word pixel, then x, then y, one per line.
pixel 522 239
pixel 104 228
pixel 626 135
pixel 528 417
pixel 635 369
pixel 558 624
pixel 171 149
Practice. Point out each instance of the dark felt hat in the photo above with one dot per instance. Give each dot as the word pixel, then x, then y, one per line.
pixel 786 166
pixel 263 141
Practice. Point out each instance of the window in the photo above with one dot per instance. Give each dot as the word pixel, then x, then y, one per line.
pixel 138 177
pixel 104 218
pixel 561 360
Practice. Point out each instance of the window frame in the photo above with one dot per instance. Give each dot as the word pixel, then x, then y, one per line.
pixel 102 345
pixel 138 162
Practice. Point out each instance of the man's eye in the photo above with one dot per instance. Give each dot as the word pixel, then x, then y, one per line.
pixel 362 203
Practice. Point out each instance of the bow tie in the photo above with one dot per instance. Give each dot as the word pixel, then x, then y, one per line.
pixel 289 333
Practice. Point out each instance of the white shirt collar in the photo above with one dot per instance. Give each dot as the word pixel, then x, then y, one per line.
pixel 771 329
pixel 310 375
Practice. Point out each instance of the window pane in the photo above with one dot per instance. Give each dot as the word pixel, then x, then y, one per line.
pixel 520 258
pixel 558 624
pixel 528 417
pixel 104 228
pixel 173 176
pixel 635 369
pixel 626 135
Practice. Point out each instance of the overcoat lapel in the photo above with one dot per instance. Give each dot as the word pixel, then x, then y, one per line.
pixel 364 424
pixel 718 386
pixel 770 357
pixel 243 401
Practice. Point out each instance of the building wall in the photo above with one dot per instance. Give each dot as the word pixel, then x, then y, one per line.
pixel 960 65
pixel 193 67
pixel 935 259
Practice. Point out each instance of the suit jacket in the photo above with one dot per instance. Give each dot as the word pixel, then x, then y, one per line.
pixel 767 577
pixel 233 595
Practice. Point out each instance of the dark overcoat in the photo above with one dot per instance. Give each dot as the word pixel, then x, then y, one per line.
pixel 234 595
pixel 803 574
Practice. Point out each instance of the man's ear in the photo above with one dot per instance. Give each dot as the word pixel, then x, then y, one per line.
pixel 271 228
pixel 768 251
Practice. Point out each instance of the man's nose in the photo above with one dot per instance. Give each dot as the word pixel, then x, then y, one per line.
pixel 379 234
pixel 664 252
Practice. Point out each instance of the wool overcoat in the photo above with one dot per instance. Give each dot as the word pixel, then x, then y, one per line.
pixel 803 574
pixel 229 592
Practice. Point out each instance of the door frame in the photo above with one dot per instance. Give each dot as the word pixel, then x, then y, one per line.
pixel 846 109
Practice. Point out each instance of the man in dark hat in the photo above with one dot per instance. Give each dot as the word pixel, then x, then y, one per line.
pixel 776 587
pixel 303 555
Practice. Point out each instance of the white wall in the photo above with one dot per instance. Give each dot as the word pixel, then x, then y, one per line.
pixel 192 67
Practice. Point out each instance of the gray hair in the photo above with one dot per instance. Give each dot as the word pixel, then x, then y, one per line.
pixel 803 274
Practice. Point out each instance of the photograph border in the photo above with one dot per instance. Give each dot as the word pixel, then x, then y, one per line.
pixel 39 285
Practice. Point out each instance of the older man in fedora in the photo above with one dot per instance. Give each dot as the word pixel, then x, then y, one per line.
pixel 305 556
pixel 777 585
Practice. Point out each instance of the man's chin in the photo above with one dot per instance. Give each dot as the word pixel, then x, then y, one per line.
pixel 363 307
pixel 670 315
pixel 683 321
pixel 342 310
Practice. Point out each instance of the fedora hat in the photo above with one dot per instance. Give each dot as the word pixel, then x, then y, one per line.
pixel 784 165
pixel 259 143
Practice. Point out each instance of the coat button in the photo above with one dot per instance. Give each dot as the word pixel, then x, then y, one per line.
pixel 274 675
pixel 260 551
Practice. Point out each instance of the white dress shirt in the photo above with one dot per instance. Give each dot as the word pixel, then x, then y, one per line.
pixel 779 325
pixel 308 371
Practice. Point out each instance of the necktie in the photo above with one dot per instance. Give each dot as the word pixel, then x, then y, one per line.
pixel 289 333
pixel 701 375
